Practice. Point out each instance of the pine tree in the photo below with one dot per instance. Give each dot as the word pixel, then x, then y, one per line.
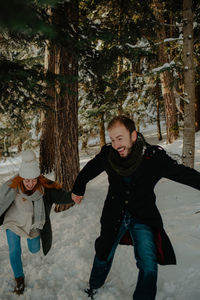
pixel 108 69
pixel 22 77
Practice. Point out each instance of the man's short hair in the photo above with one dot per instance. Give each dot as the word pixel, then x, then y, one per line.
pixel 127 122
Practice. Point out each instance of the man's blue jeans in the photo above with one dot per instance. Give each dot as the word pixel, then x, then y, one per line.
pixel 14 245
pixel 145 255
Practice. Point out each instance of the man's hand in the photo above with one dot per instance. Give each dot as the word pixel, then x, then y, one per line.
pixel 77 199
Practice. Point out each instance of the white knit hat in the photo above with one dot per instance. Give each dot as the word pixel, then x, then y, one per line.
pixel 29 167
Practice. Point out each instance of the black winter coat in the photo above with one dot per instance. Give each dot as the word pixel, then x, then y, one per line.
pixel 138 198
pixel 52 196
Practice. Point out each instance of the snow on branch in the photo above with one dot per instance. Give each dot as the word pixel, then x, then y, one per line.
pixel 173 39
pixel 163 67
pixel 140 44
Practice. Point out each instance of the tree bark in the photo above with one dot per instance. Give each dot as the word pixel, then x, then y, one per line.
pixel 120 58
pixel 102 130
pixel 66 102
pixel 61 127
pixel 166 78
pixel 66 123
pixel 47 141
pixel 197 108
pixel 84 139
pixel 189 86
pixel 157 93
pixel 19 146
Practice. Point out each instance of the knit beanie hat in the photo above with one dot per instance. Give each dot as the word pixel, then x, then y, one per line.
pixel 29 168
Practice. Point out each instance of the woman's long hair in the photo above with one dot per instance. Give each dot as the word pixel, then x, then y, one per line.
pixel 43 182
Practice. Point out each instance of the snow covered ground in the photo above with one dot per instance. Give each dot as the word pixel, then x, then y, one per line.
pixel 64 272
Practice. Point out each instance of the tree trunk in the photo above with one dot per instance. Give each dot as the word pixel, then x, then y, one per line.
pixel 170 107
pixel 159 133
pixel 102 130
pixel 66 102
pixel 197 108
pixel 66 123
pixel 189 86
pixel 84 139
pixel 61 127
pixel 19 146
pixel 166 78
pixel 47 141
pixel 157 92
pixel 5 145
pixel 120 100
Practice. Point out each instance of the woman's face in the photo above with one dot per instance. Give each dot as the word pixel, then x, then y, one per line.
pixel 30 183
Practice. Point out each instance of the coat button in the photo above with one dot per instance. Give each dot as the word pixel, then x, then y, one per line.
pixel 127 192
pixel 126 202
pixel 112 197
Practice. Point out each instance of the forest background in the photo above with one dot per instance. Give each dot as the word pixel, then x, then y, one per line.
pixel 68 67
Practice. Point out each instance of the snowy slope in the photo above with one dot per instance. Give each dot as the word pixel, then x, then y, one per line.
pixel 64 272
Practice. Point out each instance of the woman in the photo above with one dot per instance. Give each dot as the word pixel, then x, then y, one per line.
pixel 25 204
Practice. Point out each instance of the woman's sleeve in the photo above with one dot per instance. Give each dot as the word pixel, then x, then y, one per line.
pixel 59 196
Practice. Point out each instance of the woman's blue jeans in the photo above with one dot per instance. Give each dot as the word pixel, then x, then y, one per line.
pixel 14 245
pixel 145 255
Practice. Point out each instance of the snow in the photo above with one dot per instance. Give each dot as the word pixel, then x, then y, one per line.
pixel 73 28
pixel 172 39
pixel 84 37
pixel 163 67
pixel 64 272
pixel 97 21
pixel 33 130
pixel 140 44
pixel 2 125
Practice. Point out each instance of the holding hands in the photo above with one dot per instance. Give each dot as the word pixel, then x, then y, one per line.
pixel 77 199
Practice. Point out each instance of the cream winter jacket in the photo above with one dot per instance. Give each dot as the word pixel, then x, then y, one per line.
pixel 19 218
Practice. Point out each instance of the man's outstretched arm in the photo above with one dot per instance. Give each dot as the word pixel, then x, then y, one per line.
pixel 92 169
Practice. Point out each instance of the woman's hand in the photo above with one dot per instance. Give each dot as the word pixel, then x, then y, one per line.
pixel 77 199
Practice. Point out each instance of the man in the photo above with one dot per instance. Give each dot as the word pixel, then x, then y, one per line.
pixel 130 213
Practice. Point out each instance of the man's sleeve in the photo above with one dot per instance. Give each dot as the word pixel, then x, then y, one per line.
pixel 92 169
pixel 170 169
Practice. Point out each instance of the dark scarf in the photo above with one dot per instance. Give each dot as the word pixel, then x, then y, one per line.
pixel 126 166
